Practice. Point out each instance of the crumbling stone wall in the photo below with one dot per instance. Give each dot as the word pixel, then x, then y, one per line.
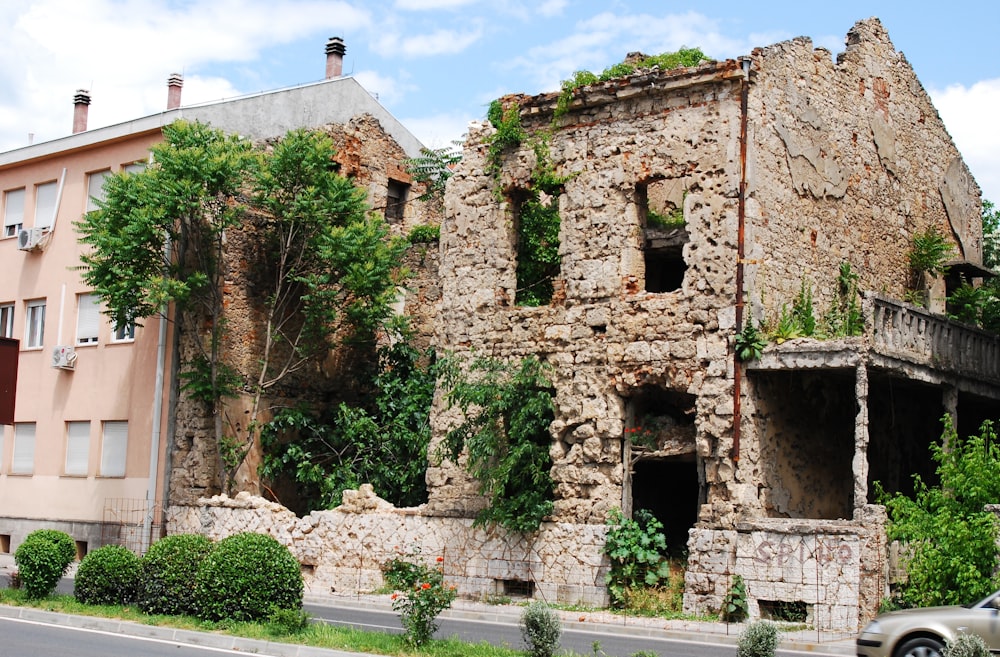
pixel 343 550
pixel 368 155
pixel 849 160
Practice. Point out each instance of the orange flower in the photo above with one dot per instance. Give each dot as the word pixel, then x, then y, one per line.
pixel 393 596
pixel 425 586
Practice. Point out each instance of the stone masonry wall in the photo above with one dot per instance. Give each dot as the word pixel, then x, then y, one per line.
pixel 606 336
pixel 343 550
pixel 367 154
pixel 848 160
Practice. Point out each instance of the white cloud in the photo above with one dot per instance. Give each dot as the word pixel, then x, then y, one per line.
pixel 439 42
pixel 606 38
pixel 969 113
pixel 431 5
pixel 123 51
pixel 552 7
pixel 386 89
pixel 441 130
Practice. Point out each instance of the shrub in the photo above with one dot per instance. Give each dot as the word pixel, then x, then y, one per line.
pixel 42 558
pixel 734 607
pixel 420 604
pixel 759 639
pixel 168 572
pixel 540 629
pixel 424 234
pixel 246 577
pixel 107 576
pixel 286 622
pixel 635 548
pixel 966 645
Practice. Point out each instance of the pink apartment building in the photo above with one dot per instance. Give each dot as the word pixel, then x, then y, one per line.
pixel 87 451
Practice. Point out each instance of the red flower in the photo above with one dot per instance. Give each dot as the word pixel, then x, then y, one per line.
pixel 440 559
pixel 394 596
pixel 425 586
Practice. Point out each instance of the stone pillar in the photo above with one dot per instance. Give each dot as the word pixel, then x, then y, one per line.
pixel 861 437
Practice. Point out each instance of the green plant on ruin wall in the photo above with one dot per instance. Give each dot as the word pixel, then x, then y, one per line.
pixel 538 226
pixel 509 134
pixel 433 168
pixel 507 409
pixel 929 251
pixel 664 61
pixel 750 342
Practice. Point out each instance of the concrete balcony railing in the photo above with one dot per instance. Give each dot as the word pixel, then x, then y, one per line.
pixel 901 330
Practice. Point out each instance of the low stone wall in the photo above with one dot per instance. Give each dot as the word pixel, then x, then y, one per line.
pixel 815 563
pixel 342 550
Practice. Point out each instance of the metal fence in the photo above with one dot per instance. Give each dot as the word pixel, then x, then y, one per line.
pixel 132 523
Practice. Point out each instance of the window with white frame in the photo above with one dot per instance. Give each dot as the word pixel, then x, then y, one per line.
pixel 114 447
pixel 124 332
pixel 34 327
pixel 95 188
pixel 45 204
pixel 23 461
pixel 88 318
pixel 13 212
pixel 77 448
pixel 6 320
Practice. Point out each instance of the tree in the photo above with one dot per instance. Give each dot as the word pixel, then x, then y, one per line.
pixel 950 537
pixel 326 275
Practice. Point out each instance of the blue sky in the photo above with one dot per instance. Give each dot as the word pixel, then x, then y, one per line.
pixel 436 64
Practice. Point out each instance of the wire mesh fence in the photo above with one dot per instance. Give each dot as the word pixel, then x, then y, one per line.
pixel 132 523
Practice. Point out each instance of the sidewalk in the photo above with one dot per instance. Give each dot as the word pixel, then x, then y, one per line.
pixel 601 621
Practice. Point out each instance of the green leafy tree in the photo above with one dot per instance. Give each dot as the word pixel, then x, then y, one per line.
pixel 326 272
pixel 950 537
pixel 382 442
pixel 434 167
pixel 508 410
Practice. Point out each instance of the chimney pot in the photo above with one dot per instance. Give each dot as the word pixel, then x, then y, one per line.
pixel 81 103
pixel 174 84
pixel 335 50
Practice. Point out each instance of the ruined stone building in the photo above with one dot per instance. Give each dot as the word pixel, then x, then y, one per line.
pixel 792 170
pixel 785 164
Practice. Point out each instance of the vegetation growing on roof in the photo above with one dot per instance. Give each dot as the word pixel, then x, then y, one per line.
pixel 664 61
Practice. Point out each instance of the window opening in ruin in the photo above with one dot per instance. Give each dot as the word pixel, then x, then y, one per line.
pixel 784 611
pixel 395 201
pixel 517 588
pixel 536 225
pixel 900 432
pixel 805 423
pixel 81 550
pixel 660 205
pixel 5 543
pixel 663 466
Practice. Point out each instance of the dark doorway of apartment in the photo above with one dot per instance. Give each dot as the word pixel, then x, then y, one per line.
pixel 668 488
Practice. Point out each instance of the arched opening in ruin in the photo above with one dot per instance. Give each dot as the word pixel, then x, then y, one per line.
pixel 659 449
pixel 660 206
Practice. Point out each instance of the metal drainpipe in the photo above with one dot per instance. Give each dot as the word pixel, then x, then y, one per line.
pixel 740 253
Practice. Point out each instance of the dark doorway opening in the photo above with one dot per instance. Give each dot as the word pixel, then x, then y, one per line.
pixel 668 488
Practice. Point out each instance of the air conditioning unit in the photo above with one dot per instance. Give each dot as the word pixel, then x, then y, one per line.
pixel 30 239
pixel 64 357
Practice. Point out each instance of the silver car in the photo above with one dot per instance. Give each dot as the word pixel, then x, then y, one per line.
pixel 924 632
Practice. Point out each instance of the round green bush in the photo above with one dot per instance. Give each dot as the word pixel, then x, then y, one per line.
pixel 42 558
pixel 540 629
pixel 168 574
pixel 107 576
pixel 759 639
pixel 246 577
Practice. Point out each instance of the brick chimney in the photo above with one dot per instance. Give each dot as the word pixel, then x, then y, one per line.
pixel 174 84
pixel 335 50
pixel 81 105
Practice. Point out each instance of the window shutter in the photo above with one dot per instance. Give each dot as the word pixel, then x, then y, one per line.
pixel 13 213
pixel 88 319
pixel 24 449
pixel 77 447
pixel 45 205
pixel 95 188
pixel 113 449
